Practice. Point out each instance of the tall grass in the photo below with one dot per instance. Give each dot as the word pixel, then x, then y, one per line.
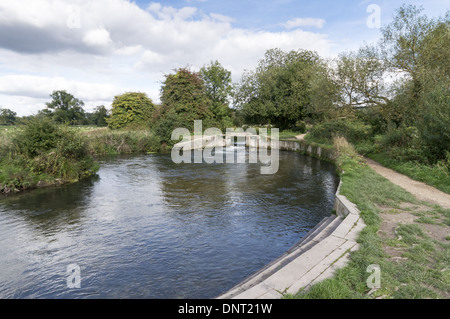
pixel 109 142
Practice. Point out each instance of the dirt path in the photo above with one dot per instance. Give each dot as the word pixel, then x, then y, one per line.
pixel 420 190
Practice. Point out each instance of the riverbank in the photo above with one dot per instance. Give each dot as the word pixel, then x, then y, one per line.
pixel 42 154
pixel 16 174
pixel 406 238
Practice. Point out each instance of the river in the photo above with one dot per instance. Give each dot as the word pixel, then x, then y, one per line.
pixel 145 227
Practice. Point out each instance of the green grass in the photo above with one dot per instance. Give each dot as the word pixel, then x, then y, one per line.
pixel 108 142
pixel 437 176
pixel 423 271
pixel 435 216
pixel 284 135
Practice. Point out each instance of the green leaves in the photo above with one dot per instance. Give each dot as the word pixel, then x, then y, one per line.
pixel 184 99
pixel 279 90
pixel 132 108
pixel 7 117
pixel 217 81
pixel 65 108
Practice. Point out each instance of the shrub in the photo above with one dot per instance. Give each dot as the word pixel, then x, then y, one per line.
pixel 402 143
pixel 165 125
pixel 366 147
pixel 130 109
pixel 354 131
pixel 37 136
pixel 434 124
pixel 45 147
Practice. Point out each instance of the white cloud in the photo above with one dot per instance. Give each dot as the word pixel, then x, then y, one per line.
pixel 304 22
pixel 98 37
pixel 119 45
pixel 128 50
pixel 38 88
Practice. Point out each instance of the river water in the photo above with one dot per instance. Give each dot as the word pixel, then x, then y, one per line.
pixel 145 227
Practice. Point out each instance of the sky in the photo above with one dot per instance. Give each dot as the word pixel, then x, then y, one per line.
pixel 98 49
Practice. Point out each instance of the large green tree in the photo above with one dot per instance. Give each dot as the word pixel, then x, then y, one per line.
pixel 418 47
pixel 218 87
pixel 100 116
pixel 65 108
pixel 130 109
pixel 184 100
pixel 360 77
pixel 279 90
pixel 7 117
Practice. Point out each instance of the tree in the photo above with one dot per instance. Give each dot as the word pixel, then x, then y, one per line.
pixel 132 108
pixel 184 100
pixel 416 50
pixel 65 108
pixel 417 47
pixel 360 77
pixel 326 98
pixel 7 117
pixel 279 90
pixel 218 87
pixel 100 116
pixel 434 105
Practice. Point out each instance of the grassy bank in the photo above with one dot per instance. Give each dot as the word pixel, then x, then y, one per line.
pixel 108 142
pixel 437 175
pixel 407 239
pixel 400 149
pixel 44 154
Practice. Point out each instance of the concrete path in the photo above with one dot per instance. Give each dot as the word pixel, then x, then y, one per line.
pixel 315 258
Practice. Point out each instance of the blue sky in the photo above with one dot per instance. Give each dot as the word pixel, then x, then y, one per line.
pixel 345 20
pixel 99 49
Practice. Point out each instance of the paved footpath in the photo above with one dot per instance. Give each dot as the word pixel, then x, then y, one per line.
pixel 325 249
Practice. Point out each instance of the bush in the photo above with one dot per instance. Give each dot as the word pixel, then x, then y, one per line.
pixel 354 131
pixel 373 117
pixel 366 147
pixel 37 136
pixel 130 109
pixel 165 125
pixel 434 124
pixel 402 143
pixel 44 147
pixel 119 142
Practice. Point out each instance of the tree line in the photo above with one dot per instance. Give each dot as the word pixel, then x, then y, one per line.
pixel 395 91
pixel 63 109
pixel 394 94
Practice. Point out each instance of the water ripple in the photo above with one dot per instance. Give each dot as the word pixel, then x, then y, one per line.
pixel 148 228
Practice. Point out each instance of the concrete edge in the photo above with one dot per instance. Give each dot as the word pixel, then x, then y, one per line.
pixel 313 265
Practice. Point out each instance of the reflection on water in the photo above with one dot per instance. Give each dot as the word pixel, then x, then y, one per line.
pixel 148 228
